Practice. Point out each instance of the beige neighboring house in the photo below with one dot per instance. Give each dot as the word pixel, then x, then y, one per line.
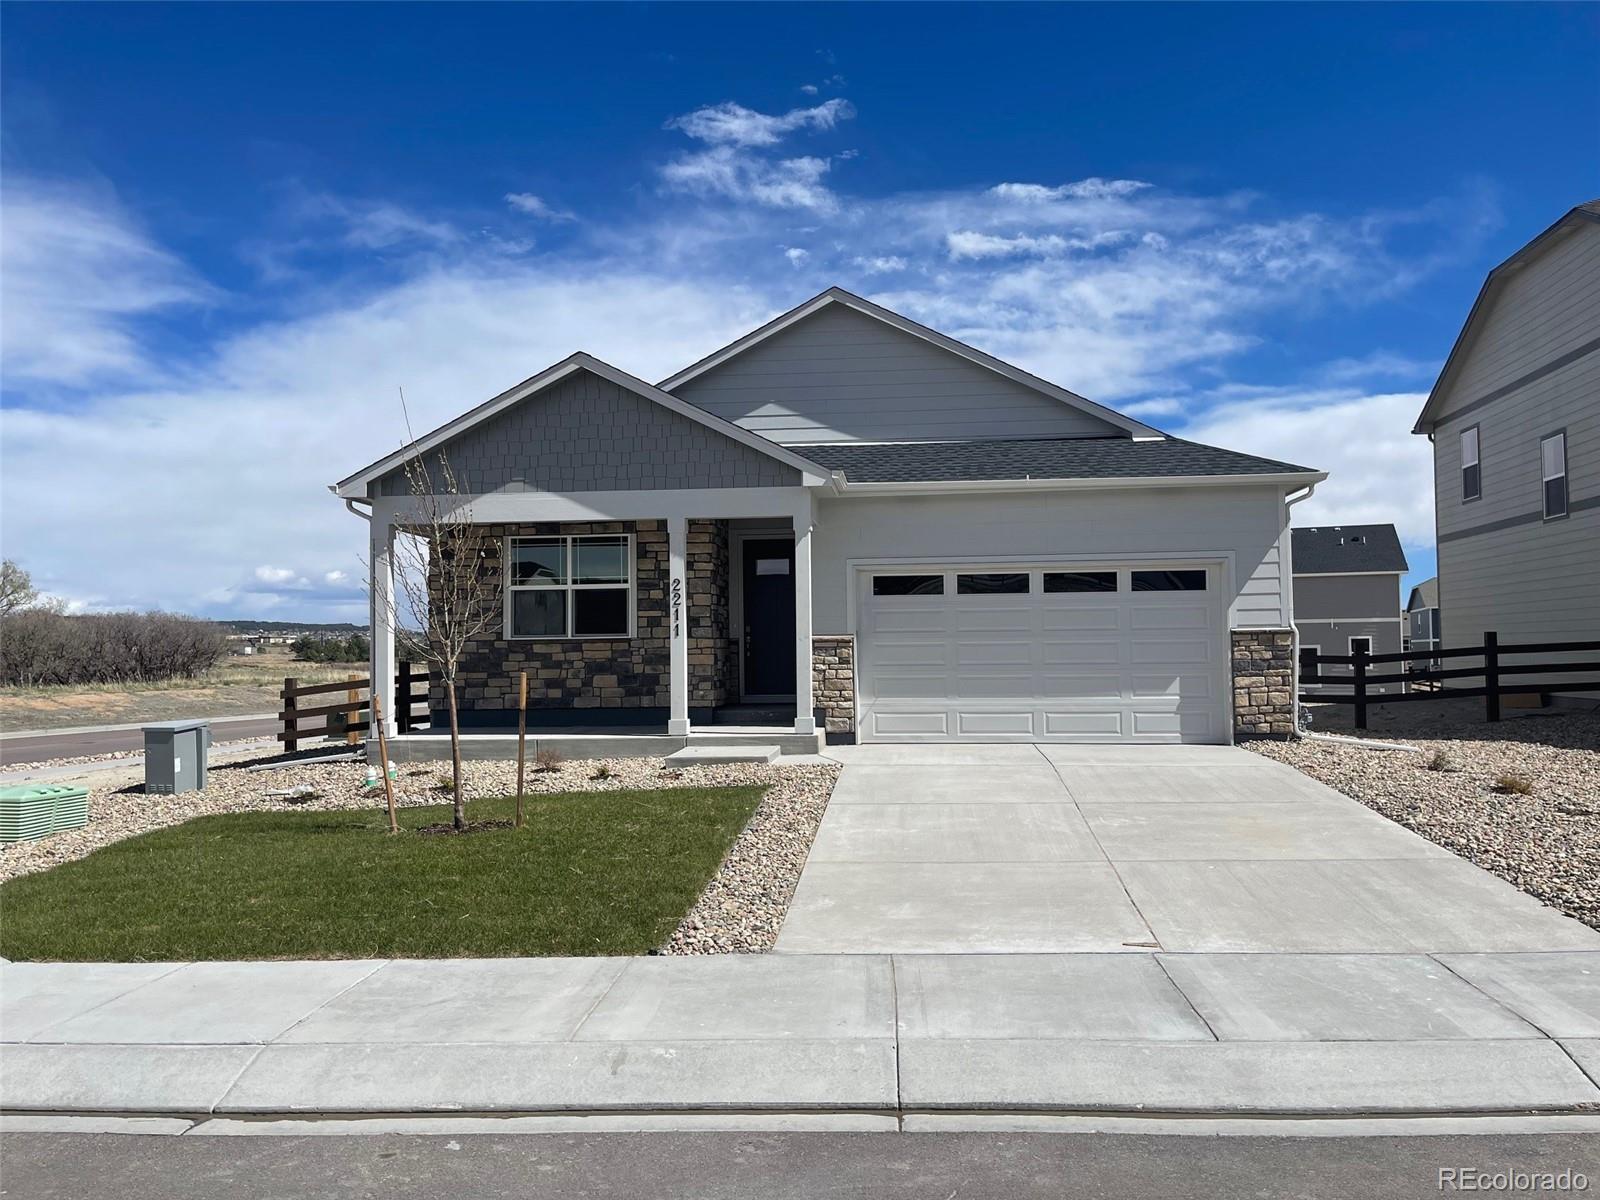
pixel 1515 424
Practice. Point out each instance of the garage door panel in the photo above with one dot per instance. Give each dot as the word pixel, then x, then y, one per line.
pixel 1060 666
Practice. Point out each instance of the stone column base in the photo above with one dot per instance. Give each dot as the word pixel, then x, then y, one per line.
pixel 1263 682
pixel 833 683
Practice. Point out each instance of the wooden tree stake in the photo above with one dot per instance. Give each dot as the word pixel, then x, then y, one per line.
pixel 383 765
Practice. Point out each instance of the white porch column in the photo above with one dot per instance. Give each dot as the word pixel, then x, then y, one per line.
pixel 380 560
pixel 678 623
pixel 804 721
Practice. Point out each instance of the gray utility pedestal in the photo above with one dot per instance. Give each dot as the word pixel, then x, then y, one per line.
pixel 175 756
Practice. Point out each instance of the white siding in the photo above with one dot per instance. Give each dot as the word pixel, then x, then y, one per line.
pixel 1244 523
pixel 842 376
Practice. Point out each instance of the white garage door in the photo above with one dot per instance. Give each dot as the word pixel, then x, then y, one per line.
pixel 1043 654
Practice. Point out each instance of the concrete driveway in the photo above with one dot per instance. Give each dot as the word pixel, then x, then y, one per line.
pixel 1024 849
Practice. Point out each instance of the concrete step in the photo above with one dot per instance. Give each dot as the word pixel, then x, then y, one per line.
pixel 702 756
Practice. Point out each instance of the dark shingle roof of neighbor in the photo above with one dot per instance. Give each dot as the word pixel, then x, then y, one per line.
pixel 1335 549
pixel 1038 458
pixel 1424 595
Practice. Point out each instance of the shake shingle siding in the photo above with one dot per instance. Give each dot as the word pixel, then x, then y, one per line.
pixel 587 434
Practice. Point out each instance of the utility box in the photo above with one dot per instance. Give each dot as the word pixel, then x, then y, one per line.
pixel 175 756
pixel 36 809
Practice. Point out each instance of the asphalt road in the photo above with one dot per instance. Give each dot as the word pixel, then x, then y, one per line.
pixel 31 748
pixel 796 1166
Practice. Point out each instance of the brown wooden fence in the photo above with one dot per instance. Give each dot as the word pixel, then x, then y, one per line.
pixel 1428 667
pixel 349 714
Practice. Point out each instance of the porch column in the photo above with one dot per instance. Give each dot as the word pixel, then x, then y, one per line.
pixel 380 560
pixel 804 721
pixel 678 624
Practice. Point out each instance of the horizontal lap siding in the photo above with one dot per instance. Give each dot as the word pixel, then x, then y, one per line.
pixel 841 376
pixel 1334 596
pixel 1535 580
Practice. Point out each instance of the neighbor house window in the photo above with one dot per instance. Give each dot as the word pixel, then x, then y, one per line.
pixel 1553 470
pixel 570 587
pixel 1471 471
pixel 1363 644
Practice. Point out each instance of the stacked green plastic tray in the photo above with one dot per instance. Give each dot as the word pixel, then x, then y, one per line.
pixel 32 810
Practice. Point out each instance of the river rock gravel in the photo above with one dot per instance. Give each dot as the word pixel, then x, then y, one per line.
pixel 1546 842
pixel 739 912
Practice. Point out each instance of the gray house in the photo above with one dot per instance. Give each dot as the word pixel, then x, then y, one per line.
pixel 1347 593
pixel 1515 424
pixel 1423 627
pixel 869 528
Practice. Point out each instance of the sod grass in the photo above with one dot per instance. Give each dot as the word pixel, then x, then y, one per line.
pixel 589 873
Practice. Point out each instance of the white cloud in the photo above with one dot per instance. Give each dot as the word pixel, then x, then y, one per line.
pixel 796 255
pixel 379 224
pixel 731 124
pixel 968 244
pixel 725 171
pixel 880 264
pixel 76 273
pixel 533 206
pixel 1092 189
pixel 1379 471
pixel 809 89
pixel 275 575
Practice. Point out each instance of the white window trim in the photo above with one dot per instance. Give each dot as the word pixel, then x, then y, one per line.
pixel 1351 641
pixel 1562 475
pixel 569 587
pixel 1477 461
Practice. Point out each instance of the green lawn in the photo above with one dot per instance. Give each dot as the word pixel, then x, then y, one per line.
pixel 590 873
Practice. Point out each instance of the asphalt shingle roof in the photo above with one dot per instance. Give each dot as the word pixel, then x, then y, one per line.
pixel 1044 458
pixel 1338 549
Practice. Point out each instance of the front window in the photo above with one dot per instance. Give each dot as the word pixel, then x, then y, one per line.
pixel 1471 471
pixel 1553 471
pixel 570 587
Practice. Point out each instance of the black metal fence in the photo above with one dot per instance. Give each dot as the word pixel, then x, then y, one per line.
pixel 1430 667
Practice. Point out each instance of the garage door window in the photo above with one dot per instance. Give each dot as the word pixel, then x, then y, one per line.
pixel 1080 581
pixel 1009 584
pixel 908 585
pixel 1169 581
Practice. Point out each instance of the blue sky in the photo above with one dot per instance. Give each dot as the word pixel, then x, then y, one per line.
pixel 231 233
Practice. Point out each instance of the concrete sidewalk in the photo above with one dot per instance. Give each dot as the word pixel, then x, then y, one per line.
pixel 856 1036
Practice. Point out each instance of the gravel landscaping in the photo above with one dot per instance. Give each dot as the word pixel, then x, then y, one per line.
pixel 739 912
pixel 1459 791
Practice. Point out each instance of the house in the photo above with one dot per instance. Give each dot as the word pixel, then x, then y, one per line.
pixel 1515 424
pixel 870 526
pixel 1422 616
pixel 1347 592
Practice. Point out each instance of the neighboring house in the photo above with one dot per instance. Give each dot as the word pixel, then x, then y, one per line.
pixel 1422 616
pixel 1347 594
pixel 1515 424
pixel 902 537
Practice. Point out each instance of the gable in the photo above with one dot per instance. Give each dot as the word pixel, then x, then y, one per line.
pixel 586 433
pixel 842 375
pixel 1538 312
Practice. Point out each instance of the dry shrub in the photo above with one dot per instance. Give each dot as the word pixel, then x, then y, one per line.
pixel 549 760
pixel 1513 785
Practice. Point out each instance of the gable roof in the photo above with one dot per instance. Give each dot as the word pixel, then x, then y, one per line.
pixel 1583 214
pixel 1424 595
pixel 1104 458
pixel 355 486
pixel 1347 549
pixel 837 295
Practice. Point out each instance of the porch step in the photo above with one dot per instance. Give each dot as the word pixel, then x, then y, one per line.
pixel 702 756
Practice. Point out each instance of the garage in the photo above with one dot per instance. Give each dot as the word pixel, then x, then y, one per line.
pixel 1042 653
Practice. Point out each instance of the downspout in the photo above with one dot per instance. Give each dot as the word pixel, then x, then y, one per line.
pixel 1294 630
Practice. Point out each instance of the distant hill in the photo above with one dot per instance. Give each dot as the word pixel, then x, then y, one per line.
pixel 291 627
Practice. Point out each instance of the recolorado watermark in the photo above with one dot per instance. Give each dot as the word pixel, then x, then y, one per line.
pixel 1510 1181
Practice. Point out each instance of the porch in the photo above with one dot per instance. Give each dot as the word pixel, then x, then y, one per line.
pixel 708 594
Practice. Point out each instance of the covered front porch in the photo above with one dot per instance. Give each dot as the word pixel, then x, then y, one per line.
pixel 645 621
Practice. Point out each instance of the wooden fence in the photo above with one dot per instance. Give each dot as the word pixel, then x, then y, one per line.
pixel 1428 667
pixel 347 717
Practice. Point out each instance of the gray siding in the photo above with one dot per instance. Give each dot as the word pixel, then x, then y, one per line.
pixel 842 376
pixel 1340 596
pixel 586 434
pixel 1501 566
pixel 1333 637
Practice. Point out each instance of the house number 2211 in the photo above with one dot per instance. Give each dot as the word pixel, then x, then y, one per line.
pixel 677 608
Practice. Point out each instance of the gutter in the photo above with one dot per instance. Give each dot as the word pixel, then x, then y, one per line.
pixel 1306 479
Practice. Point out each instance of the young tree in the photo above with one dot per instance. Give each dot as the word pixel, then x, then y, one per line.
pixel 444 568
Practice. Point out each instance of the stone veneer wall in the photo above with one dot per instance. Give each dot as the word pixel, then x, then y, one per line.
pixel 620 673
pixel 1263 682
pixel 833 682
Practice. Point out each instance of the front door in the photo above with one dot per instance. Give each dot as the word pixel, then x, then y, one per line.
pixel 769 619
